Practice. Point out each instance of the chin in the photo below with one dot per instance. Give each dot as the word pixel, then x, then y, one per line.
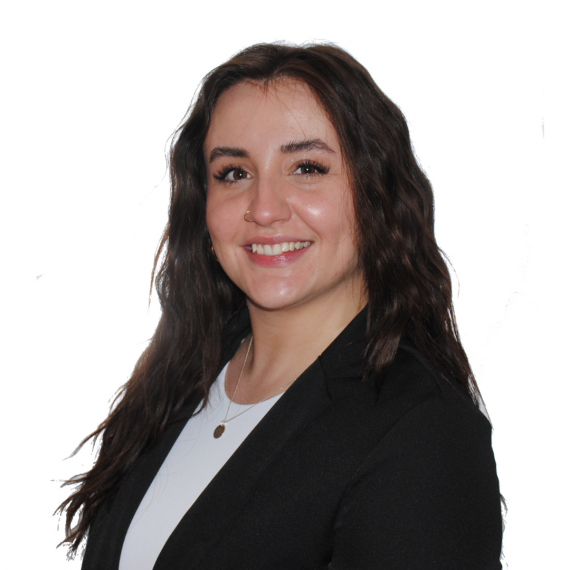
pixel 271 300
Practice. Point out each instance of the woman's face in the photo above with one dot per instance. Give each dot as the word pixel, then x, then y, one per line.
pixel 274 154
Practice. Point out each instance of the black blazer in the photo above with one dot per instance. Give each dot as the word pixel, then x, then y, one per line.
pixel 334 477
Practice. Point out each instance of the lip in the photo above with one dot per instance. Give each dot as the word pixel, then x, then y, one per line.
pixel 264 240
pixel 282 260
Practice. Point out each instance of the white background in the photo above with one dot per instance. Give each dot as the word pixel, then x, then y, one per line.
pixel 90 95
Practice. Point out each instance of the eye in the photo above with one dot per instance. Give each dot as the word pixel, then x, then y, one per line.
pixel 232 174
pixel 237 174
pixel 310 168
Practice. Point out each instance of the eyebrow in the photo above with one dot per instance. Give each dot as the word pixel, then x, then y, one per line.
pixel 289 148
pixel 228 151
pixel 311 144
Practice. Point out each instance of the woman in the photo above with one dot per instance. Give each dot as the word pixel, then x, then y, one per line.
pixel 305 401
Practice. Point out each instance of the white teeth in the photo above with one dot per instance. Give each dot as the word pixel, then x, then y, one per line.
pixel 278 248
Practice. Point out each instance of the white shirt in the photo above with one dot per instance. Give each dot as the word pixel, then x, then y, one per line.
pixel 192 463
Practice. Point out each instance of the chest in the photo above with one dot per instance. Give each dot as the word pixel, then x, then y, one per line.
pixel 274 502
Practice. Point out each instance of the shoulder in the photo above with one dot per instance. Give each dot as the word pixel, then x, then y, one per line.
pixel 414 381
pixel 412 392
pixel 430 412
pixel 426 489
pixel 410 380
pixel 417 421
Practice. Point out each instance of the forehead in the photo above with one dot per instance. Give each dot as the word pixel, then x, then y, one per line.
pixel 249 114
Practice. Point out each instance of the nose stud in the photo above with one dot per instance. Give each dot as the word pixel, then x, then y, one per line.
pixel 245 217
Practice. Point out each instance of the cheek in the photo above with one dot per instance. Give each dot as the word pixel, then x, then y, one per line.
pixel 220 218
pixel 331 218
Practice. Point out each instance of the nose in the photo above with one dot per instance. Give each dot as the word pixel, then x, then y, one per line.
pixel 269 203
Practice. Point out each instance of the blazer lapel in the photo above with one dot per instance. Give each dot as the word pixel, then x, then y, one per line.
pixel 219 505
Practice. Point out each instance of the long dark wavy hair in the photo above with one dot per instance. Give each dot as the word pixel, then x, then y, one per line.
pixel 407 280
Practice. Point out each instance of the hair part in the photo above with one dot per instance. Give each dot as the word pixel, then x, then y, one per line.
pixel 407 280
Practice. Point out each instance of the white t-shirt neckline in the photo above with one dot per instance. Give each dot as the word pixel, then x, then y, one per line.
pixel 191 464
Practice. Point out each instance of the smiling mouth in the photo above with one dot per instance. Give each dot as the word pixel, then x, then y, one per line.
pixel 279 248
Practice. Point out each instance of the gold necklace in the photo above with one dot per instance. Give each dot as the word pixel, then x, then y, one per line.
pixel 221 428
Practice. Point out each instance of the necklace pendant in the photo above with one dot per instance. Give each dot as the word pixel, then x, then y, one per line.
pixel 220 430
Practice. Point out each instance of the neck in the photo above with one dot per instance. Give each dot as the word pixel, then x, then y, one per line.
pixel 286 342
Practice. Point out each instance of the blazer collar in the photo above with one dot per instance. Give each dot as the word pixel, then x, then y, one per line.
pixel 344 357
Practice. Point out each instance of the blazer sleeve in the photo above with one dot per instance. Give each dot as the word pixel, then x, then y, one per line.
pixel 426 497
